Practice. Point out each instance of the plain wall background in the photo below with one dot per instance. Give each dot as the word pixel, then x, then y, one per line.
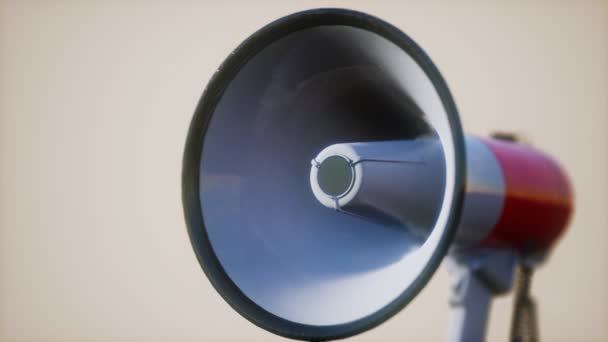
pixel 95 101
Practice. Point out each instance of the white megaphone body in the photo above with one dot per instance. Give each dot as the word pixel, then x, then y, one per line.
pixel 326 175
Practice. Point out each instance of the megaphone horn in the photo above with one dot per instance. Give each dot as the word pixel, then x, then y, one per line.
pixel 326 175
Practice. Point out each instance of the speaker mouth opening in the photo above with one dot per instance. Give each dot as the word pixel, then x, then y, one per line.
pixel 252 218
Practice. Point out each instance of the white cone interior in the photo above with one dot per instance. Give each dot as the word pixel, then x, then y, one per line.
pixel 285 251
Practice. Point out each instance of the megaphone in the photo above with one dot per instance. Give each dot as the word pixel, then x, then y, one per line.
pixel 326 175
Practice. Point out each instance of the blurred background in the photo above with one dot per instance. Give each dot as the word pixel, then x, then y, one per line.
pixel 95 101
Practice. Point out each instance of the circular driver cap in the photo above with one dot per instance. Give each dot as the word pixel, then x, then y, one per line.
pixel 335 176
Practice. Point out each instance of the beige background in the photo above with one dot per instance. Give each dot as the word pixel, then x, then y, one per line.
pixel 95 100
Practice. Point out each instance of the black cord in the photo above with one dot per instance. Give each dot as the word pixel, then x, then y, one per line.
pixel 524 326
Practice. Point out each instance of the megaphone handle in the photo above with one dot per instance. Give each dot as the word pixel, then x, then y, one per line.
pixel 477 277
pixel 469 307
